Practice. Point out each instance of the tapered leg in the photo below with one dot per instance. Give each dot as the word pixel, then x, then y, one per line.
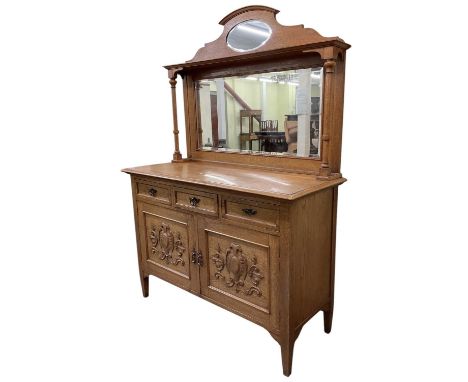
pixel 287 348
pixel 327 320
pixel 144 285
pixel 143 277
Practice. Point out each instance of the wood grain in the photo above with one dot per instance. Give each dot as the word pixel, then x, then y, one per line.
pixel 196 200
pixel 291 47
pixel 253 234
pixel 281 185
pixel 250 212
pixel 150 216
pixel 311 228
pixel 285 37
pixel 285 254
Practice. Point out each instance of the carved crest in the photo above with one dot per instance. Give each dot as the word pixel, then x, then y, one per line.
pixel 236 269
pixel 164 244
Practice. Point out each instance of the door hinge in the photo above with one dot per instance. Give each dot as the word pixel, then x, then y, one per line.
pixel 197 258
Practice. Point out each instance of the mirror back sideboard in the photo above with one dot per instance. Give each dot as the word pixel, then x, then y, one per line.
pixel 247 219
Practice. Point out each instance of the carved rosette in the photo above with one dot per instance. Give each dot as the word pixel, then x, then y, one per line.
pixel 237 270
pixel 167 246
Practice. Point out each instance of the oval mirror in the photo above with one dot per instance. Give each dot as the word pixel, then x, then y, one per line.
pixel 248 35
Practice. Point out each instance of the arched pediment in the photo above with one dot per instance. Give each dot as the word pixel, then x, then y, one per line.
pixel 282 37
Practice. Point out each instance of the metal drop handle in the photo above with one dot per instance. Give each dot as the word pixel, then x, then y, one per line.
pixel 249 211
pixel 194 201
pixel 197 258
pixel 194 256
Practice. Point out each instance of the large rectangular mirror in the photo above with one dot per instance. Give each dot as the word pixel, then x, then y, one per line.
pixel 276 113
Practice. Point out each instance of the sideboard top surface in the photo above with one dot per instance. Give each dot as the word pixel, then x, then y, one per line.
pixel 276 184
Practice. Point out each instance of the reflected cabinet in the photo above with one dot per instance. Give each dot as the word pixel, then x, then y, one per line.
pixel 247 219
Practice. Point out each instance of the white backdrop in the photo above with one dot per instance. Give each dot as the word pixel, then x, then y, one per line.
pixel 83 94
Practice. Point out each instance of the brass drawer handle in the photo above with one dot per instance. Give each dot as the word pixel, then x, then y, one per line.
pixel 152 192
pixel 194 201
pixel 249 211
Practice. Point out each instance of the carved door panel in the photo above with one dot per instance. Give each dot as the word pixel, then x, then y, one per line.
pixel 166 242
pixel 240 270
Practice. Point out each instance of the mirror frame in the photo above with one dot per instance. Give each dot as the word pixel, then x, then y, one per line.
pixel 289 47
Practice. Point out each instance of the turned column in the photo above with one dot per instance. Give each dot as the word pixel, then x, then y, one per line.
pixel 329 68
pixel 176 157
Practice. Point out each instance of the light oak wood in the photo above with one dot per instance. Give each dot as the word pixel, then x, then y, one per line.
pixel 166 240
pixel 310 240
pixel 232 252
pixel 251 212
pixel 295 235
pixel 143 275
pixel 177 156
pixel 153 192
pixel 196 200
pixel 253 234
pixel 286 38
pixel 249 179
pixel 292 47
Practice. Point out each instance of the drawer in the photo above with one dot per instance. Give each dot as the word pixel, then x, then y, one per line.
pixel 251 212
pixel 197 201
pixel 154 192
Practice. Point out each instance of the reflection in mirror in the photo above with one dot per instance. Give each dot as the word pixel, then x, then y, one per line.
pixel 248 35
pixel 276 113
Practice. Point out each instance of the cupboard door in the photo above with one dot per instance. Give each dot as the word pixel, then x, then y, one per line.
pixel 166 241
pixel 240 270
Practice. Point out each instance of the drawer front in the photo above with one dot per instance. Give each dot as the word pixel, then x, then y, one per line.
pixel 196 201
pixel 154 192
pixel 251 212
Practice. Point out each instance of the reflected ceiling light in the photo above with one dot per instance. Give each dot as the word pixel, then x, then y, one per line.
pixel 219 178
pixel 253 30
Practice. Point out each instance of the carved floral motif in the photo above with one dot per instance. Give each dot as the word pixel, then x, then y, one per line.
pixel 166 246
pixel 235 269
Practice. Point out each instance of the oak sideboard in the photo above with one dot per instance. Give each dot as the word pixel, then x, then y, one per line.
pixel 247 220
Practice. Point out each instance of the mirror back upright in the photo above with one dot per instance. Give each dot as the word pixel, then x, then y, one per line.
pixel 266 94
